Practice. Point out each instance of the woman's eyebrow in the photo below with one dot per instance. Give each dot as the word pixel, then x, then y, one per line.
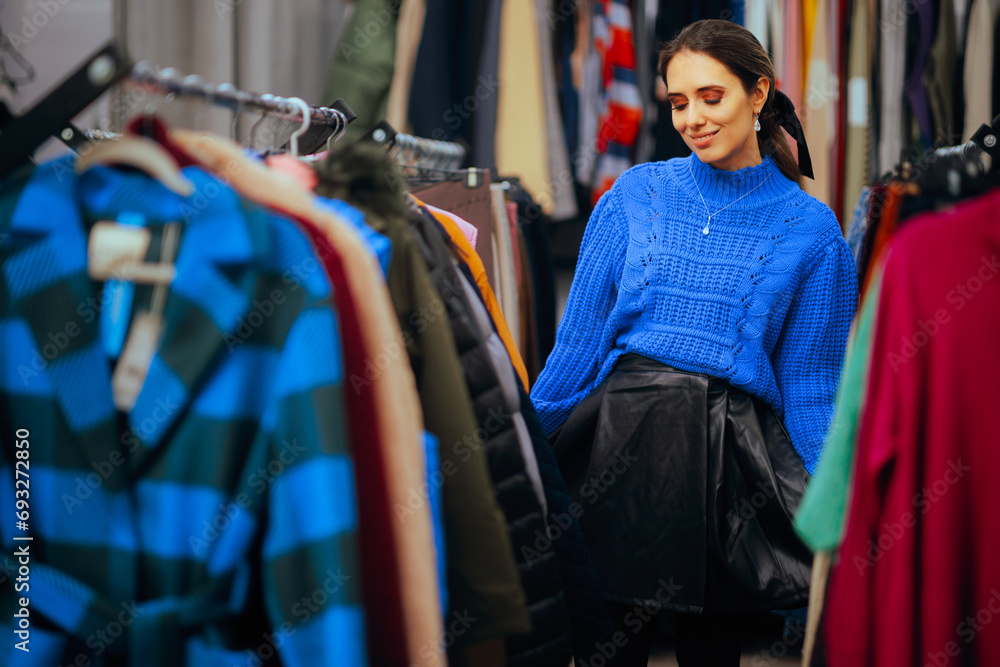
pixel 700 90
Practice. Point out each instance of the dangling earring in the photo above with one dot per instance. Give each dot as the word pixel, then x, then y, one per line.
pixel 756 122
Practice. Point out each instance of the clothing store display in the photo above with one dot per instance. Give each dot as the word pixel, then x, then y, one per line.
pixel 468 230
pixel 482 574
pixel 558 200
pixel 484 140
pixel 508 292
pixel 858 108
pixel 361 71
pixel 821 518
pixel 512 462
pixel 475 264
pixel 751 332
pixel 409 27
pixel 277 399
pixel 917 566
pixel 915 86
pixel 475 205
pixel 892 56
pixel 535 227
pixel 392 386
pixel 292 389
pixel 819 103
pixel 521 133
pixel 621 112
pixel 640 456
pixel 980 74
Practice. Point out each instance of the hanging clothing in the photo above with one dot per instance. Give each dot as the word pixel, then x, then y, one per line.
pixel 508 292
pixel 941 69
pixel 361 70
pixel 917 569
pixel 858 109
pixel 621 112
pixel 513 466
pixel 521 134
pixel 892 56
pixel 482 575
pixel 536 239
pixel 559 199
pixel 980 65
pixel 915 87
pixel 194 550
pixel 409 28
pixel 476 206
pixel 475 264
pixel 821 518
pixel 398 455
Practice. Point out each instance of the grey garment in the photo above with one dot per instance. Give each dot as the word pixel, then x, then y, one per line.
pixel 361 69
pixel 939 76
pixel 560 177
pixel 979 65
pixel 485 128
pixel 590 113
pixel 644 71
pixel 508 386
pixel 893 61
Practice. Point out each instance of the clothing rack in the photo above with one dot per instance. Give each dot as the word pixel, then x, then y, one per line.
pixel 227 95
pixel 417 152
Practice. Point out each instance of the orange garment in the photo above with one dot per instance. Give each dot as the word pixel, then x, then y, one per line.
pixel 475 264
pixel 895 192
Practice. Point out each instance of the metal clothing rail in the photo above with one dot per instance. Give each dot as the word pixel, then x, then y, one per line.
pixel 412 151
pixel 445 154
pixel 227 95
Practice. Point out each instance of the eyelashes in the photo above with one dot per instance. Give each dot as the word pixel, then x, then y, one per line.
pixel 682 107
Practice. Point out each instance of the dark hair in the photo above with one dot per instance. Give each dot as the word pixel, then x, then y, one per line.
pixel 736 47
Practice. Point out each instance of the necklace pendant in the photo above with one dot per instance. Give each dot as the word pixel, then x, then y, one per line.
pixel 705 231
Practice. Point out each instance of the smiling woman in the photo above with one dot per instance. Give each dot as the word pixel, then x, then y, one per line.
pixel 720 81
pixel 702 339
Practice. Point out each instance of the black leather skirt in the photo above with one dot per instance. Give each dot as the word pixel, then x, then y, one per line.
pixel 686 488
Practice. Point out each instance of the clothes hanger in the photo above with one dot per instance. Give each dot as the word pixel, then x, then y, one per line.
pixel 139 153
pixel 306 122
pixel 20 136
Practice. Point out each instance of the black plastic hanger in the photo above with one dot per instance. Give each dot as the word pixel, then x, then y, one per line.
pixel 21 135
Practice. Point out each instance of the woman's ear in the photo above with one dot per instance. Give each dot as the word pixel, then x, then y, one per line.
pixel 759 95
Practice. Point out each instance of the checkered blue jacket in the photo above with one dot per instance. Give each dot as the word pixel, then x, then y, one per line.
pixel 215 523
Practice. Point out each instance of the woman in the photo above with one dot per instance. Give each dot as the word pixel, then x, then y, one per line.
pixel 696 364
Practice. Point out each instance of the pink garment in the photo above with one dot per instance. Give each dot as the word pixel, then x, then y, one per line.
pixel 515 246
pixel 793 82
pixel 468 229
pixel 295 167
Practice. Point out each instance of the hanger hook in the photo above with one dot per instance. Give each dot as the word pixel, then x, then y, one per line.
pixel 253 129
pixel 306 122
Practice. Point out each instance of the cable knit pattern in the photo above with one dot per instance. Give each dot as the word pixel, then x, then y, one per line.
pixel 764 301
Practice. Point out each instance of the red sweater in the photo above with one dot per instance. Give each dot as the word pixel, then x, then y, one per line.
pixel 918 577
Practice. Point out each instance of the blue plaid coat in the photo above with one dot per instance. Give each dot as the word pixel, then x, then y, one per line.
pixel 215 523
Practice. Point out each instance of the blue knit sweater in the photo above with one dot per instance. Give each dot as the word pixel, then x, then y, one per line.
pixel 764 300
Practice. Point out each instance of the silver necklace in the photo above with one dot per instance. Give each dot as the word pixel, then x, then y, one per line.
pixel 710 214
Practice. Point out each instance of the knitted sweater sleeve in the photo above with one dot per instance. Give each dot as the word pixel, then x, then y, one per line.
pixel 587 330
pixel 809 352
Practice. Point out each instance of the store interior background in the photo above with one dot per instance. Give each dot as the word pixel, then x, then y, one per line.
pixel 278 47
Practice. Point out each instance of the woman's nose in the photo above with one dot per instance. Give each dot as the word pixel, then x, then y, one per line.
pixel 694 115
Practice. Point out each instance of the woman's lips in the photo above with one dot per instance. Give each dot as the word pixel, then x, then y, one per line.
pixel 704 140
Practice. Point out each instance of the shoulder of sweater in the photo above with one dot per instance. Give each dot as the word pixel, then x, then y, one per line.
pixel 820 222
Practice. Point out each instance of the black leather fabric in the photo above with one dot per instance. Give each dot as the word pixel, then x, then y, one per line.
pixel 688 488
